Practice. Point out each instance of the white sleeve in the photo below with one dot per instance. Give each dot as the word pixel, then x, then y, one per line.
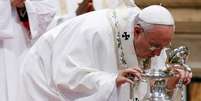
pixel 77 75
pixel 6 27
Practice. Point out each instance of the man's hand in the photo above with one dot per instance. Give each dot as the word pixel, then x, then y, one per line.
pixel 17 3
pixel 124 76
pixel 181 74
pixel 184 75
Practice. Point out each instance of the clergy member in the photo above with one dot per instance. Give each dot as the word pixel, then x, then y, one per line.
pixel 16 37
pixel 12 45
pixel 89 57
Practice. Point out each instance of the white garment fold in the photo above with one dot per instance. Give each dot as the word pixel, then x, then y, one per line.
pixel 40 13
pixel 6 26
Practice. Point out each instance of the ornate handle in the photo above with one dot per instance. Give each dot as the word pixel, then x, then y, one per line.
pixel 178 56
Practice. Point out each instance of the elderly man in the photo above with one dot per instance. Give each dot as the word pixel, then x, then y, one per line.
pixel 89 57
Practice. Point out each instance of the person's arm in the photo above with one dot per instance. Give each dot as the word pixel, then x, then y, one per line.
pixel 77 70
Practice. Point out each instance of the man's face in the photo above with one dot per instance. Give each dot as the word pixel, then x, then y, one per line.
pixel 149 44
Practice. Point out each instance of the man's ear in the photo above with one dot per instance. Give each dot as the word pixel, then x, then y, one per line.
pixel 137 30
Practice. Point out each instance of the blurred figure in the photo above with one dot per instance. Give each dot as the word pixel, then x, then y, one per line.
pixel 13 42
pixel 18 22
pixel 67 9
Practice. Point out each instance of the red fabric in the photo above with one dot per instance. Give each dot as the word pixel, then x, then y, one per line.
pixel 26 25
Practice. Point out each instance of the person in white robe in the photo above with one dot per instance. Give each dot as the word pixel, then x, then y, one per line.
pixel 12 44
pixel 157 62
pixel 15 39
pixel 39 15
pixel 88 57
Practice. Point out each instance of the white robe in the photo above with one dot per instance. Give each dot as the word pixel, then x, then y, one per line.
pixel 40 14
pixel 14 40
pixel 5 22
pixel 76 61
pixel 12 44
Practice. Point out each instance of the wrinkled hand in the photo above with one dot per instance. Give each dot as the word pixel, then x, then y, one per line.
pixel 123 76
pixel 181 74
pixel 18 3
pixel 184 75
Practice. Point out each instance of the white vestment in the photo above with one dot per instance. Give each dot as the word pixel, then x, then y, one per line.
pixel 77 61
pixel 5 22
pixel 14 40
pixel 40 14
pixel 12 44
